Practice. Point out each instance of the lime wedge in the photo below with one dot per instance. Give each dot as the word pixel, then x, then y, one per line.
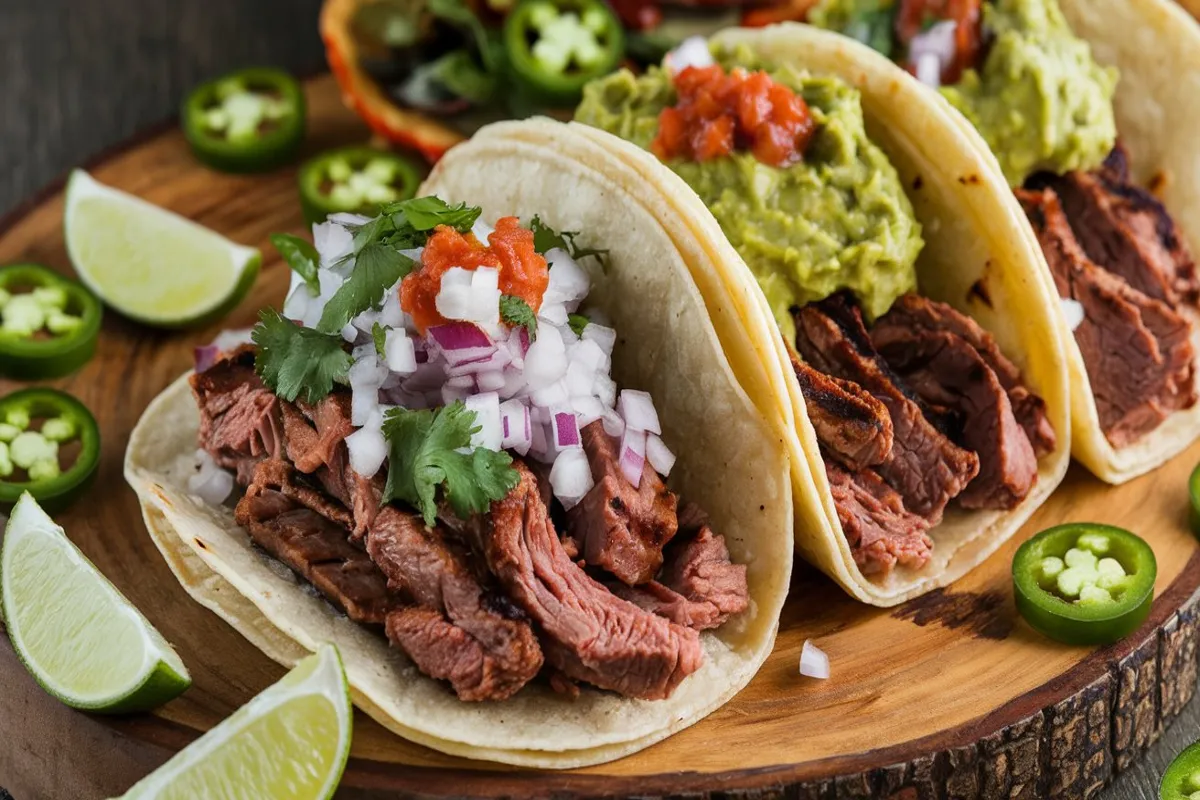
pixel 150 264
pixel 76 634
pixel 291 741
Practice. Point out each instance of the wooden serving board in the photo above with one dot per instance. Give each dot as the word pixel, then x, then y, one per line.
pixel 950 696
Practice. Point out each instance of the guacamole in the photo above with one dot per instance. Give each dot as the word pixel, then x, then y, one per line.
pixel 1039 99
pixel 839 219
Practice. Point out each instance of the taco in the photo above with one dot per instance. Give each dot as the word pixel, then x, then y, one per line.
pixel 493 450
pixel 927 379
pixel 1083 104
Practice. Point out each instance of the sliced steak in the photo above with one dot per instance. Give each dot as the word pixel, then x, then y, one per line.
pixel 851 424
pixel 699 587
pixel 240 421
pixel 946 371
pixel 925 467
pixel 588 634
pixel 317 549
pixel 622 529
pixel 281 476
pixel 1126 230
pixel 1137 350
pixel 912 311
pixel 880 531
pixel 462 635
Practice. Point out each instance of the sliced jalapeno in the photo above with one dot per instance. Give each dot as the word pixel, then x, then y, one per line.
pixel 248 121
pixel 554 47
pixel 49 447
pixel 1085 583
pixel 48 323
pixel 1194 495
pixel 355 179
pixel 1181 781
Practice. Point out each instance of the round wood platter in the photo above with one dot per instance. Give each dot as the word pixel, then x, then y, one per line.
pixel 949 696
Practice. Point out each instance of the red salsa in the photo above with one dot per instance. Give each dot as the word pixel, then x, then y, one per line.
pixel 718 113
pixel 523 272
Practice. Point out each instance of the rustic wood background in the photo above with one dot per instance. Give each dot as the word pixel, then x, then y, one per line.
pixel 77 76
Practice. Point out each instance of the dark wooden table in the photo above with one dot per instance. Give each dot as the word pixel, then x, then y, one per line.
pixel 77 76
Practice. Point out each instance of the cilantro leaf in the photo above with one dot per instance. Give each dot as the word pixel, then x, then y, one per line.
pixel 292 359
pixel 376 270
pixel 577 322
pixel 302 257
pixel 515 311
pixel 423 214
pixel 423 455
pixel 460 14
pixel 379 334
pixel 546 238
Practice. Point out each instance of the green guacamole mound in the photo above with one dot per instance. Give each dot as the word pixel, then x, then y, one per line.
pixel 837 220
pixel 1040 100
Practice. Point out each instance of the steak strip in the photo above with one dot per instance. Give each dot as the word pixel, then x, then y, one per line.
pixel 1137 350
pixel 850 423
pixel 588 634
pixel 240 421
pixel 880 531
pixel 913 312
pixel 925 467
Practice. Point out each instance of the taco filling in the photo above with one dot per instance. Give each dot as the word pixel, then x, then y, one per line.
pixel 429 436
pixel 913 404
pixel 1031 87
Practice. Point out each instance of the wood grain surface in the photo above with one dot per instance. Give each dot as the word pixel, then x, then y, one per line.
pixel 948 696
pixel 77 76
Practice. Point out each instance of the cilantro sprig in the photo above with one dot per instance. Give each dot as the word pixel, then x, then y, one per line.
pixel 546 238
pixel 423 456
pixel 577 323
pixel 409 223
pixel 302 257
pixel 293 359
pixel 376 270
pixel 515 311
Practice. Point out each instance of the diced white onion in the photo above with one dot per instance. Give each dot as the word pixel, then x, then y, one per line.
pixel 232 339
pixel 605 390
pixel 367 446
pixel 452 394
pixel 554 314
pixel 539 446
pixel 604 337
pixel 399 353
pixel 332 242
pixel 579 379
pixel 691 52
pixel 367 371
pixel 814 663
pixel 514 383
pixel 571 477
pixel 929 70
pixel 633 455
pixel 590 354
pixel 569 283
pixel 487 417
pixel 659 455
pixel 638 410
pixel 348 219
pixel 482 230
pixel 613 424
pixel 587 410
pixel 490 381
pixel 553 395
pixel 330 282
pixel 210 483
pixel 390 313
pixel 364 401
pixel 485 295
pixel 1073 311
pixel 546 359
pixel 516 427
pixel 350 333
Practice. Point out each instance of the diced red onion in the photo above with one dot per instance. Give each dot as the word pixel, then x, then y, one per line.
pixel 604 337
pixel 613 424
pixel 461 382
pixel 205 356
pixel 487 418
pixel 633 455
pixel 566 429
pixel 691 52
pixel 659 455
pixel 539 443
pixel 367 447
pixel 638 410
pixel 514 383
pixel 553 395
pixel 516 427
pixel 571 477
pixel 452 394
pixel 400 354
pixel 1072 310
pixel 496 361
pixel 518 343
pixel 428 376
pixel 462 342
pixel 490 381
pixel 587 410
pixel 546 359
pixel 814 663
pixel 540 415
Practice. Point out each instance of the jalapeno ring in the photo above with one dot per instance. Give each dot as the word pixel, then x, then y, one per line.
pixel 357 180
pixel 38 430
pixel 1085 583
pixel 251 120
pixel 49 325
pixel 555 47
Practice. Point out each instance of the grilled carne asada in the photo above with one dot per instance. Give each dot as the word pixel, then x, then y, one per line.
pixel 477 588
